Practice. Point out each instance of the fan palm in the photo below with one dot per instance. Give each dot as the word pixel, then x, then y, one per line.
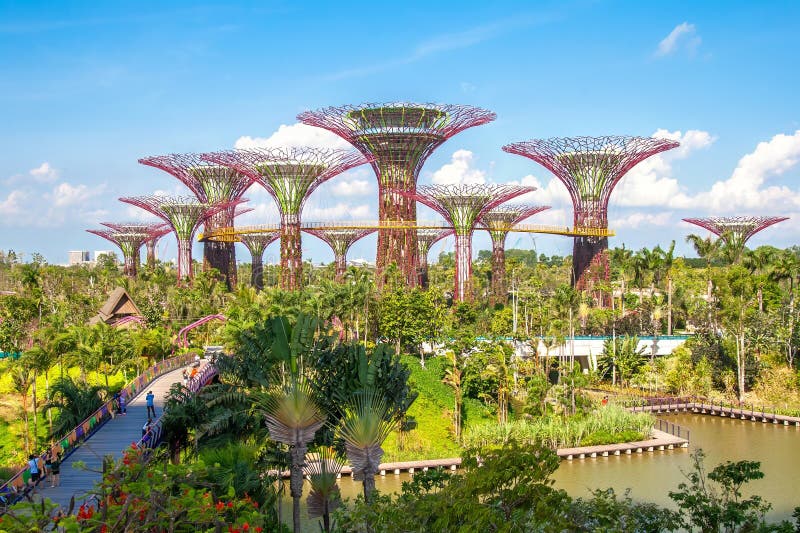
pixel 74 401
pixel 293 416
pixel 322 470
pixel 366 422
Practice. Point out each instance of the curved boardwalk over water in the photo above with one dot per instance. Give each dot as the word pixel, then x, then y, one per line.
pixel 111 439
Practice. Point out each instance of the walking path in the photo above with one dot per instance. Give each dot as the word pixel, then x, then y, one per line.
pixel 115 436
pixel 752 414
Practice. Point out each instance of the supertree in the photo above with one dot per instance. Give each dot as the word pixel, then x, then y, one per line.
pixel 184 215
pixel 590 168
pixel 290 175
pixel 211 184
pixel 400 137
pixel 256 242
pixel 340 241
pixel 426 238
pixel 462 206
pixel 499 222
pixel 129 244
pixel 735 231
pixel 153 230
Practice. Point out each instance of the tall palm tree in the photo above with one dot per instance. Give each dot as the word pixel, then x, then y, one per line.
pixel 293 416
pixel 622 258
pixel 21 384
pixel 322 471
pixel 787 267
pixel 757 262
pixel 73 402
pixel 366 422
pixel 667 262
pixel 707 249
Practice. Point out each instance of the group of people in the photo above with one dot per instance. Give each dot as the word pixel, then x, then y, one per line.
pixel 52 469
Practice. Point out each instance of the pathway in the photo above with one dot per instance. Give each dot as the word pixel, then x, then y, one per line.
pixel 115 436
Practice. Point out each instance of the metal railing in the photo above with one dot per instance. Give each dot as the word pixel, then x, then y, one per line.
pixel 13 489
pixel 673 429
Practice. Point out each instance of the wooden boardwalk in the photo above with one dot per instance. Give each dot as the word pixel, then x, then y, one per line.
pixel 111 439
pixel 753 414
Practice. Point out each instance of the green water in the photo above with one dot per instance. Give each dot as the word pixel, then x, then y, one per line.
pixel 651 476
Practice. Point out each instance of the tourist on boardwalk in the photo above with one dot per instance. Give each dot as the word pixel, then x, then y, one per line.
pixel 48 464
pixel 146 426
pixel 55 470
pixel 121 408
pixel 151 409
pixel 33 465
pixel 185 377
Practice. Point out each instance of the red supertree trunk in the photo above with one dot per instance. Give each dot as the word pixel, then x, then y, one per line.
pixel 257 270
pixel 341 267
pixel 291 254
pixel 220 255
pixel 398 246
pixel 462 290
pixel 499 292
pixel 184 260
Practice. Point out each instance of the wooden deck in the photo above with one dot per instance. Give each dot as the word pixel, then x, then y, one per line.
pixel 111 439
pixel 743 413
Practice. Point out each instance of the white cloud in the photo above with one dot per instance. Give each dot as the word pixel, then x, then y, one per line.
pixel 14 205
pixel 44 173
pixel 745 189
pixel 459 170
pixel 66 195
pixel 340 211
pixel 637 219
pixel 295 135
pixel 650 183
pixel 684 35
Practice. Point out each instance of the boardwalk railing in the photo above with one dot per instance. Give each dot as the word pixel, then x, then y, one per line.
pixel 15 487
pixel 672 428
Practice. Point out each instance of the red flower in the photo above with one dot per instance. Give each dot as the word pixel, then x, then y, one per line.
pixel 259 529
pixel 245 527
pixel 103 529
pixel 220 506
pixel 230 504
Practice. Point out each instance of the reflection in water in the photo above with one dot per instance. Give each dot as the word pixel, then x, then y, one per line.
pixel 651 476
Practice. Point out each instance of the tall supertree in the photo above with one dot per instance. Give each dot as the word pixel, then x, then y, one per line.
pixel 129 244
pixel 590 168
pixel 211 184
pixel 256 242
pixel 290 175
pixel 735 230
pixel 340 241
pixel 153 231
pixel 426 238
pixel 462 206
pixel 184 215
pixel 400 137
pixel 499 222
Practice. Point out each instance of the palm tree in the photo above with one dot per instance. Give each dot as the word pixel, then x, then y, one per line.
pixel 74 402
pixel 366 422
pixel 787 267
pixel 757 261
pixel 707 249
pixel 622 258
pixel 293 416
pixel 322 472
pixel 667 262
pixel 21 384
pixel 232 466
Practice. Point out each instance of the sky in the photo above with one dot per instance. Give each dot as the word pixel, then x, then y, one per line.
pixel 88 88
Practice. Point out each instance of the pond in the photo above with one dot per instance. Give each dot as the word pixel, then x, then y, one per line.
pixel 651 476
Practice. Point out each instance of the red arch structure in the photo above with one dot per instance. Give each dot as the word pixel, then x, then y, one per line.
pixel 182 340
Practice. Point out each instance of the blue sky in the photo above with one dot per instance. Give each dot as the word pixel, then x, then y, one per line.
pixel 86 89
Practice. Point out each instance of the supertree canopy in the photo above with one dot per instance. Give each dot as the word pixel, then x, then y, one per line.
pixel 290 175
pixel 152 230
pixel 256 242
pixel 211 184
pixel 590 168
pixel 426 238
pixel 499 222
pixel 736 230
pixel 400 137
pixel 129 243
pixel 462 206
pixel 184 215
pixel 340 241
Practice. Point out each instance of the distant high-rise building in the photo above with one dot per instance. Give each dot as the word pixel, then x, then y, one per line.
pixel 78 257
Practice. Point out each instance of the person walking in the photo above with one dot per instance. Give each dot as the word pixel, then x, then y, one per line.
pixel 151 408
pixel 55 470
pixel 48 464
pixel 33 465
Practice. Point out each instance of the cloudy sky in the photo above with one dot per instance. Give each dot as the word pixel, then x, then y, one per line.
pixel 86 89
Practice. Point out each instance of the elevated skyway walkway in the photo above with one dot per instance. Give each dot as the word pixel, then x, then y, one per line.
pixel 232 234
pixel 111 439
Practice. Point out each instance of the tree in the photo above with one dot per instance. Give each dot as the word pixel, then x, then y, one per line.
pixel 21 383
pixel 737 296
pixel 74 402
pixel 622 356
pixel 720 508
